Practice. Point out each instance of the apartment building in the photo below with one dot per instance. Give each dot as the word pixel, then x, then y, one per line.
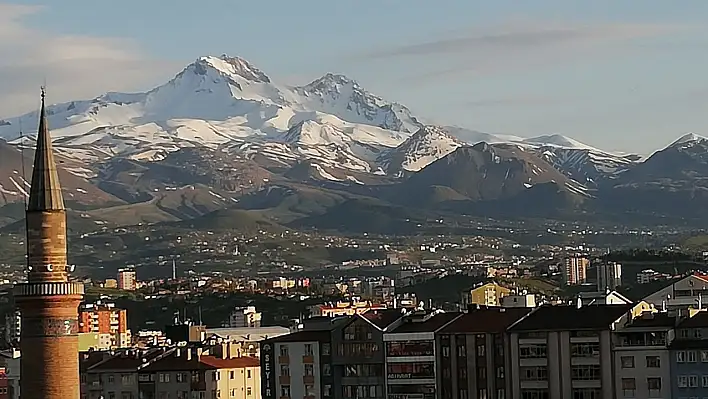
pixel 609 275
pixel 358 359
pixel 127 279
pixel 641 356
pixel 410 355
pixel 681 294
pixel 565 352
pixel 471 354
pixel 575 270
pixel 176 373
pixel 103 326
pixel 688 356
pixel 244 317
pixel 297 365
pixel 489 294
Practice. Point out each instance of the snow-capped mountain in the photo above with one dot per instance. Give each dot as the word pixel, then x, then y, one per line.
pixel 222 101
pixel 424 147
pixel 226 103
pixel 587 165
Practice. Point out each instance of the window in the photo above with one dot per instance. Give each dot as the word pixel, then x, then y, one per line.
pixel 480 350
pixel 587 393
pixel 248 391
pixel 111 379
pixel 326 348
pixel 629 387
pixel 585 372
pixel 182 377
pixel 500 394
pixel 461 350
pixel 680 356
pixel 463 394
pixel 482 394
pixel 682 381
pixel 231 375
pixel 309 390
pixel 693 381
pixel 585 349
pixel 500 372
pixel 538 393
pixel 533 351
pixel 284 369
pixel 283 351
pixel 654 384
pixel 704 356
pixel 482 371
pixel 533 373
pixel 309 369
pixel 446 351
pixel 163 377
pixel 326 369
pixel 691 356
pixel 308 350
pixel 627 362
pixel 285 390
pixel 704 381
pixel 653 361
pixel 327 391
pixel 248 373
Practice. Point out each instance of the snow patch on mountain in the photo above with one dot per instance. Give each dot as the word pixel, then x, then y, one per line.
pixel 426 146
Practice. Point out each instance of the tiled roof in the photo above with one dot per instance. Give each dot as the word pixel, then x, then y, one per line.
pixel 564 317
pixel 698 320
pixel 304 336
pixel 489 320
pixel 181 363
pixel 382 318
pixel 433 324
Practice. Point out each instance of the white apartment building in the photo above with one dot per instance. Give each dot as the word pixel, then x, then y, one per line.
pixel 297 365
pixel 609 275
pixel 641 357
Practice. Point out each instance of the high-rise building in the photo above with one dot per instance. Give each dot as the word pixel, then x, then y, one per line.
pixel 108 323
pixel 127 279
pixel 575 270
pixel 609 276
pixel 48 301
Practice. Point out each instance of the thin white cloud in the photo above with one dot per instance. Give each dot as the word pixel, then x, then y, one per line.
pixel 520 44
pixel 74 66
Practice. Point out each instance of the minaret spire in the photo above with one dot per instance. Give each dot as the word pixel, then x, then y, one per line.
pixel 45 191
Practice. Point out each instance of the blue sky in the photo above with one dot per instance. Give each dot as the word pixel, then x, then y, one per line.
pixel 619 75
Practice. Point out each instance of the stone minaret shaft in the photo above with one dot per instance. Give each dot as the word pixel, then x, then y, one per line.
pixel 48 301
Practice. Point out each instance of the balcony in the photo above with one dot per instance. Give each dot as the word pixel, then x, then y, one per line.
pixel 308 359
pixel 308 379
pixel 284 379
pixel 283 359
pixel 95 385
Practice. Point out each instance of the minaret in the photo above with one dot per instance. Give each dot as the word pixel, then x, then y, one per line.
pixel 48 301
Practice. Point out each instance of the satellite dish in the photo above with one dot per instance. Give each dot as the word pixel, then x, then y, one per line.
pixel 49 267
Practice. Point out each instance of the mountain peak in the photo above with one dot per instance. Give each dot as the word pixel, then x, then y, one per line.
pixel 331 82
pixel 558 140
pixel 230 66
pixel 688 138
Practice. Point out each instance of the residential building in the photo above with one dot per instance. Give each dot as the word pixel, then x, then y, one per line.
pixel 410 354
pixel 684 293
pixel 688 354
pixel 604 297
pixel 127 279
pixel 13 326
pixel 471 354
pixel 641 356
pixel 358 358
pixel 105 324
pixel 575 270
pixel 344 308
pixel 609 275
pixel 175 373
pixel 523 300
pixel 297 365
pixel 561 352
pixel 489 294
pixel 244 317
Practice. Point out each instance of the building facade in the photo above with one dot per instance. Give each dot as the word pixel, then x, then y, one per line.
pixel 489 294
pixel 560 352
pixel 410 355
pixel 107 323
pixel 688 356
pixel 641 356
pixel 127 279
pixel 297 365
pixel 48 301
pixel 609 275
pixel 472 355
pixel 575 270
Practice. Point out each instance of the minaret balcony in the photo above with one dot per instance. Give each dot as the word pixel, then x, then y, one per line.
pixel 48 289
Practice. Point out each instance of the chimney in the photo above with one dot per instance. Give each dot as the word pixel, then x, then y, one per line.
pixel 224 350
pixel 580 302
pixel 189 354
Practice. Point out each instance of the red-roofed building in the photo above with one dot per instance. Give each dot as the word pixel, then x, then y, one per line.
pixel 176 373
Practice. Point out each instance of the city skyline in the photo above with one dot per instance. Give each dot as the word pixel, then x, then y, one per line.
pixel 606 75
